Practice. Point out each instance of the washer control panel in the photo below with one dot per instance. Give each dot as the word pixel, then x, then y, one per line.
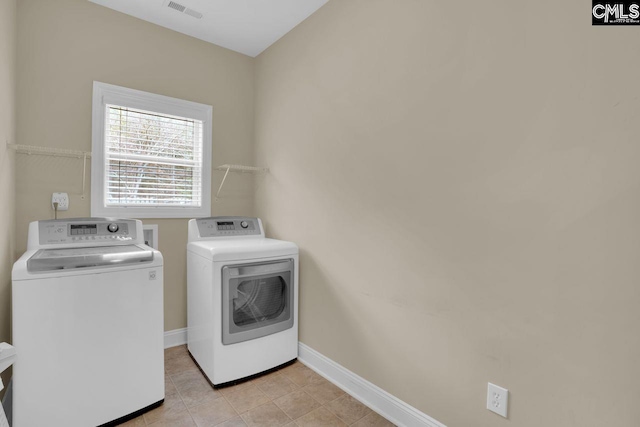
pixel 89 230
pixel 228 226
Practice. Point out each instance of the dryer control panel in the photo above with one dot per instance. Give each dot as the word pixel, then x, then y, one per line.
pixel 229 226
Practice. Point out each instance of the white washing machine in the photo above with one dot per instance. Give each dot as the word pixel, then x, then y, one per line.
pixel 242 299
pixel 87 324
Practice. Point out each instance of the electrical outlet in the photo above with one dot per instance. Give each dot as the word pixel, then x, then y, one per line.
pixel 62 199
pixel 497 399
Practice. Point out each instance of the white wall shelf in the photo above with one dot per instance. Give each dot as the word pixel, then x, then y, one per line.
pixel 55 152
pixel 49 151
pixel 63 152
pixel 237 168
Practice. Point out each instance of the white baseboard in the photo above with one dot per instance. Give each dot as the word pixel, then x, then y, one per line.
pixel 175 337
pixel 395 410
pixel 390 407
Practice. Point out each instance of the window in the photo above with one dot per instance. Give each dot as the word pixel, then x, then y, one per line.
pixel 151 155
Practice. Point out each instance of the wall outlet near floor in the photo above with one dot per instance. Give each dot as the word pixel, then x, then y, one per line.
pixel 62 199
pixel 497 399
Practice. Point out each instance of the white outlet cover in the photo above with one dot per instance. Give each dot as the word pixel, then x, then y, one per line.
pixel 62 199
pixel 497 399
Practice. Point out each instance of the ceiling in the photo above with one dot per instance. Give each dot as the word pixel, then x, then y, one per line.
pixel 245 26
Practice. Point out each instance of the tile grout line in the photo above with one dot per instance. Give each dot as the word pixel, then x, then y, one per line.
pixel 183 402
pixel 280 373
pixel 322 405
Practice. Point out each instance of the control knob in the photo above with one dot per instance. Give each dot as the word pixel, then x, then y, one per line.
pixel 113 227
pixel 244 224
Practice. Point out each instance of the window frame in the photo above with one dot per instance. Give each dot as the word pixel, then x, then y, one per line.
pixel 104 94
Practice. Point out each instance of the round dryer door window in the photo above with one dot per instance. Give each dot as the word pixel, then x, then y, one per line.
pixel 259 300
pixel 256 300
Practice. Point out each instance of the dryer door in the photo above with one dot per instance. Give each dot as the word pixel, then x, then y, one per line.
pixel 256 300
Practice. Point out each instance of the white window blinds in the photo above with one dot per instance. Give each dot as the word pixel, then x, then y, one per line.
pixel 152 160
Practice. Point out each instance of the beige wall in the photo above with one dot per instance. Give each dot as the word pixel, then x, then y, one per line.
pixel 463 183
pixel 63 46
pixel 7 184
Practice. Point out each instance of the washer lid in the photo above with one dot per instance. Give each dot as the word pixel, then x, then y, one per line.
pixel 66 258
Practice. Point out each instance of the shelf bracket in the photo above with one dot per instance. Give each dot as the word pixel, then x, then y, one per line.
pixel 223 180
pixel 84 173
pixel 236 168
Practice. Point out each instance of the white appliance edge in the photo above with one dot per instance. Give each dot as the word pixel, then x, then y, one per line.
pixel 114 290
pixel 235 361
pixel 81 333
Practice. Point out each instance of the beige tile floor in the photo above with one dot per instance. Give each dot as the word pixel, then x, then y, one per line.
pixel 292 396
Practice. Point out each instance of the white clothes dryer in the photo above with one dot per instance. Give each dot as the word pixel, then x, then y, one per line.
pixel 242 299
pixel 87 324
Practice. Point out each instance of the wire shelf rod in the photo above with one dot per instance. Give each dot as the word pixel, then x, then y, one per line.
pixel 49 151
pixel 242 168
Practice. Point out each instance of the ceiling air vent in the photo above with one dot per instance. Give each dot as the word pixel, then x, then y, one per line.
pixel 184 9
pixel 176 6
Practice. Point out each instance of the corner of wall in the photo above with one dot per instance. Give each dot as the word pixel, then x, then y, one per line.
pixel 8 52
